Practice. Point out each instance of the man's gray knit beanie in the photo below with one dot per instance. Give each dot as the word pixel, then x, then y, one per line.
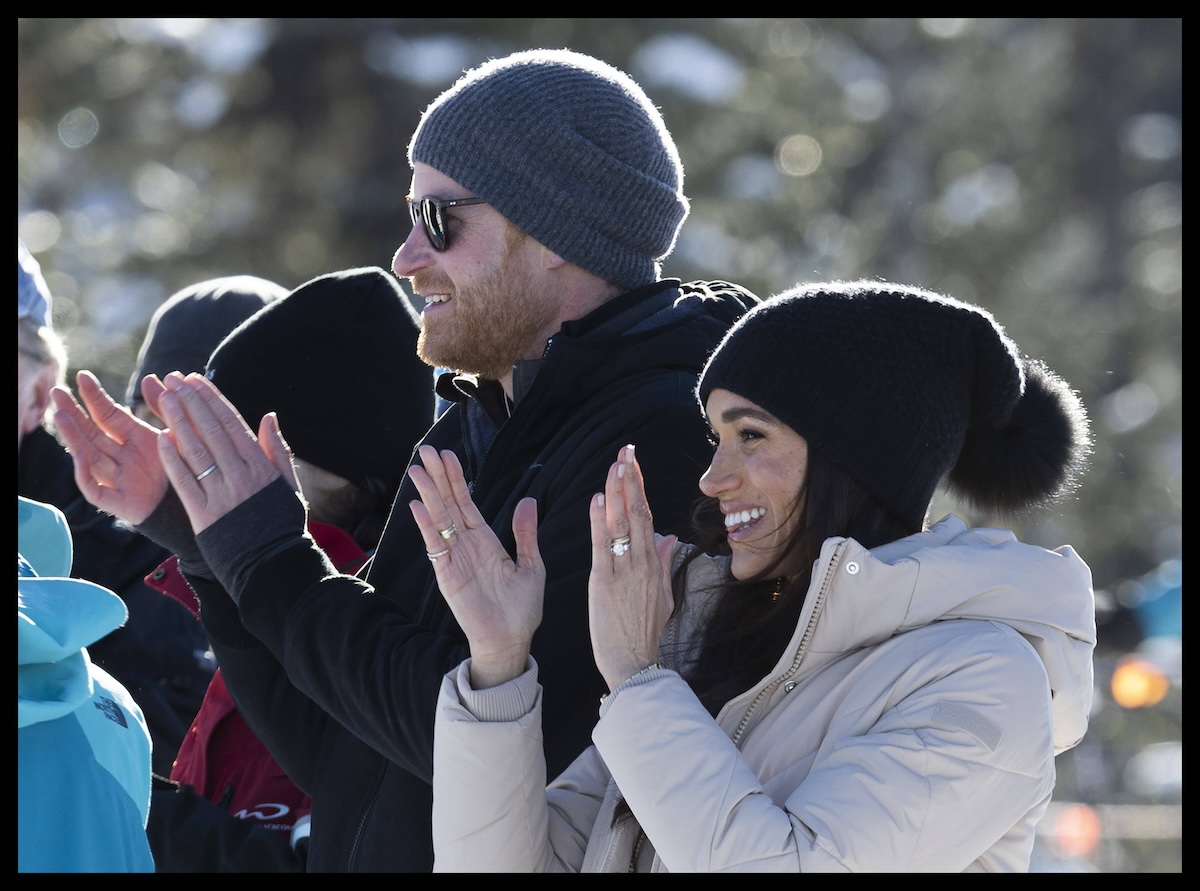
pixel 571 151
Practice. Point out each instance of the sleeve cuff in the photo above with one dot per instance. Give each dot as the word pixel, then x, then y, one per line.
pixel 509 701
pixel 645 676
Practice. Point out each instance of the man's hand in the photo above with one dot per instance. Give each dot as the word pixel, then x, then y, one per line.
pixel 497 602
pixel 210 455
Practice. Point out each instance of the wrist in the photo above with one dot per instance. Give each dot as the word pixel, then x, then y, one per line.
pixel 653 666
pixel 494 670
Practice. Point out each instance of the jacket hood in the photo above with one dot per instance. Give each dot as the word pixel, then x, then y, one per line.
pixel 862 597
pixel 665 325
pixel 952 572
pixel 57 618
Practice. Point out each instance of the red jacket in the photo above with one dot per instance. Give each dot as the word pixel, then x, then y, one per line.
pixel 220 756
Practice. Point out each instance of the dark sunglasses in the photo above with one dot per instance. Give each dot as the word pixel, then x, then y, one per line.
pixel 430 213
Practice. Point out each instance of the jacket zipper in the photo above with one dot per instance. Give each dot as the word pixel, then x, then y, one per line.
pixel 800 650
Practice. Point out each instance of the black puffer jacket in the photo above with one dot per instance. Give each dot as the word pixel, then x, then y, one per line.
pixel 351 716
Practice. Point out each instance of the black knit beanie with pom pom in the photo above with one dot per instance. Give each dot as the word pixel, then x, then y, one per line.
pixel 902 387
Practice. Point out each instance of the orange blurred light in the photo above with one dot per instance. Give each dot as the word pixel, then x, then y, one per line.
pixel 1077 830
pixel 1137 683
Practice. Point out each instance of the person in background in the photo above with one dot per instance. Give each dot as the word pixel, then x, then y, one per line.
pixel 834 686
pixel 311 359
pixel 189 324
pixel 160 654
pixel 546 193
pixel 83 748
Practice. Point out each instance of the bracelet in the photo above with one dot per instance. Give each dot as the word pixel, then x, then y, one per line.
pixel 650 667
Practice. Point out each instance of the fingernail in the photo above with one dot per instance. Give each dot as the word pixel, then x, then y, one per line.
pixel 629 453
pixel 621 470
pixel 600 500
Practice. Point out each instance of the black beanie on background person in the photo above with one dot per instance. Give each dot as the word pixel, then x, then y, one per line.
pixel 190 323
pixel 900 387
pixel 336 359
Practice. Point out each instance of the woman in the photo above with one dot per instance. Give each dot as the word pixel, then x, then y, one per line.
pixel 832 686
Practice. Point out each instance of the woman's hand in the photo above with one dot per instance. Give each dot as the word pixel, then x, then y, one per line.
pixel 210 455
pixel 115 454
pixel 497 602
pixel 629 590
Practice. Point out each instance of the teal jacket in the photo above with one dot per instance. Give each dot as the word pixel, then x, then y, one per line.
pixel 83 749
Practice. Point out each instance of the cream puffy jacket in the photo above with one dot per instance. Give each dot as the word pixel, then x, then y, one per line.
pixel 910 725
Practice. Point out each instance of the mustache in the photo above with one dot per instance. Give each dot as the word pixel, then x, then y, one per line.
pixel 430 284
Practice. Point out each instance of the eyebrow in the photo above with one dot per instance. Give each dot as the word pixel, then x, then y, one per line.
pixel 731 415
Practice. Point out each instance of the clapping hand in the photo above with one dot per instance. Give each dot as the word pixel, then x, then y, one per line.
pixel 210 455
pixel 115 454
pixel 496 600
pixel 629 589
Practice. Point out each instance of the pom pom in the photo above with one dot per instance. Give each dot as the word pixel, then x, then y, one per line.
pixel 1036 458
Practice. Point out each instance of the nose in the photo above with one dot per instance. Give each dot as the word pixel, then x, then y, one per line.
pixel 717 478
pixel 414 253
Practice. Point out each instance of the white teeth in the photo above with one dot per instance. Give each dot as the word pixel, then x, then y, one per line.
pixel 436 298
pixel 742 517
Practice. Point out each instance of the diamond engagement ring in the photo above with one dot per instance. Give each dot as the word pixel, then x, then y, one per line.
pixel 449 532
pixel 619 546
pixel 202 474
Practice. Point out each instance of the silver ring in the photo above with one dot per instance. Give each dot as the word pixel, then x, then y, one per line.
pixel 202 474
pixel 620 546
pixel 433 558
pixel 449 532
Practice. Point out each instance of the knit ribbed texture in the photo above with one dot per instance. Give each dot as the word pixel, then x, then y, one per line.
pixel 571 151
pixel 889 381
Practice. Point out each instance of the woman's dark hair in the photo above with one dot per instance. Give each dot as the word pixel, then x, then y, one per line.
pixel 749 626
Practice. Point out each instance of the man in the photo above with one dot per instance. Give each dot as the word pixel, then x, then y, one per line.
pixel 160 654
pixel 546 192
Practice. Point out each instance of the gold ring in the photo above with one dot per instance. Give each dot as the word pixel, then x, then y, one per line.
pixel 202 474
pixel 433 558
pixel 620 546
pixel 449 532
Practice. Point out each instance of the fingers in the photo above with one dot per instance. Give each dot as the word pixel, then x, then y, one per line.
pixel 89 462
pixel 601 540
pixel 444 509
pixel 627 512
pixel 638 519
pixel 206 428
pixel 275 447
pixel 208 452
pixel 111 417
pixel 152 388
pixel 90 449
pixel 429 512
pixel 177 470
pixel 468 512
pixel 525 529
